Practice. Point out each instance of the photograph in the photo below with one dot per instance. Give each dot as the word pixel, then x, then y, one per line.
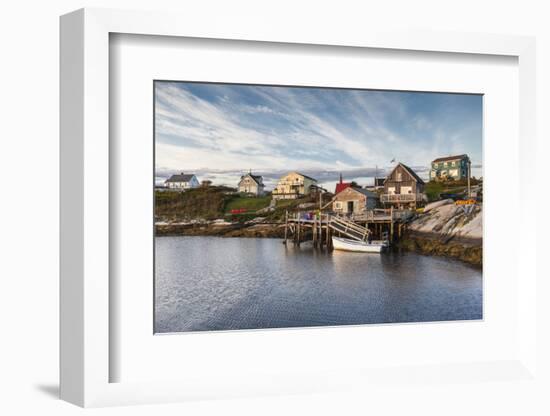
pixel 301 206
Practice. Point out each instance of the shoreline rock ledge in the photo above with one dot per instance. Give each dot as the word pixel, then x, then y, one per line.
pixel 449 230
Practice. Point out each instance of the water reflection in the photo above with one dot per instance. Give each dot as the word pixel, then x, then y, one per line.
pixel 209 283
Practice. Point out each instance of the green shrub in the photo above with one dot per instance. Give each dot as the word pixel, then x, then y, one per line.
pixel 198 203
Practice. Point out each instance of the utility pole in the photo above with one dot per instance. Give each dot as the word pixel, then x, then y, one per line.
pixel 469 174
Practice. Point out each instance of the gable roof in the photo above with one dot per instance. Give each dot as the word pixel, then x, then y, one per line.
pixel 299 174
pixel 447 158
pixel 256 178
pixel 341 186
pixel 363 191
pixel 409 171
pixel 182 177
pixel 305 176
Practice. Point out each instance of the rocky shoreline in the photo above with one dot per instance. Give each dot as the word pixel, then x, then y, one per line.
pixel 254 230
pixel 467 250
pixel 444 230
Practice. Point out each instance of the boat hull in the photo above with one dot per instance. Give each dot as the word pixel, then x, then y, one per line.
pixel 345 244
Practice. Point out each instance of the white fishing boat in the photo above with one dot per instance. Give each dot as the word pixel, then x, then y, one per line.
pixel 347 244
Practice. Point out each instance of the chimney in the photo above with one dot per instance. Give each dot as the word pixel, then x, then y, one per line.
pixel 341 177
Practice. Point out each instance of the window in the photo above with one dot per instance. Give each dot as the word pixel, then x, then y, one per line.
pixel 398 176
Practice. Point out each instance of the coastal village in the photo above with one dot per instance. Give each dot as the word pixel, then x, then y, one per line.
pixel 442 215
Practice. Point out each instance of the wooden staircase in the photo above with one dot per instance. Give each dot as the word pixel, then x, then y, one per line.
pixel 348 228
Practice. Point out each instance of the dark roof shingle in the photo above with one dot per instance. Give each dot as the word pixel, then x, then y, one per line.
pixel 363 191
pixel 410 171
pixel 447 158
pixel 180 178
pixel 305 176
pixel 256 178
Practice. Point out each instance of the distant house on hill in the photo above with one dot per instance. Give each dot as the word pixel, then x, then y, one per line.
pixel 403 188
pixel 293 185
pixel 353 200
pixel 450 167
pixel 251 184
pixel 182 181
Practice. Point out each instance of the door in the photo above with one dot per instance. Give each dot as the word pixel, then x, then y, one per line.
pixel 350 206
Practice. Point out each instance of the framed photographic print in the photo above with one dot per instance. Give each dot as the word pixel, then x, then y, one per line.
pixel 320 194
pixel 273 213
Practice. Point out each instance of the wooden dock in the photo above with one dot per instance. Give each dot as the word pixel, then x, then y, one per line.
pixel 320 227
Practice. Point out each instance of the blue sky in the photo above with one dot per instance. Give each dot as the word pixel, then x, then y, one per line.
pixel 220 131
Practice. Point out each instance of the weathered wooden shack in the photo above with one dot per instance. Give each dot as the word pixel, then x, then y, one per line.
pixel 403 188
pixel 353 200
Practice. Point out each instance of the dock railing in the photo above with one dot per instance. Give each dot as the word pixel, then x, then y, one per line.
pixel 377 215
pixel 374 215
pixel 401 197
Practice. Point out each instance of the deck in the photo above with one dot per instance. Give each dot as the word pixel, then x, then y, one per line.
pixel 320 227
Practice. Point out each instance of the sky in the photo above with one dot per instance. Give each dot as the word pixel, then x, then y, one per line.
pixel 220 131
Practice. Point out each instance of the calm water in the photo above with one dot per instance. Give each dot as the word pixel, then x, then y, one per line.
pixel 211 283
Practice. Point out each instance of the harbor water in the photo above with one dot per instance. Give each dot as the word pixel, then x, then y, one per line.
pixel 213 283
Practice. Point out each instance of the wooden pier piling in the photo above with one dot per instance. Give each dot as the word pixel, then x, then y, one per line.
pixel 286 227
pixel 319 228
pixel 314 236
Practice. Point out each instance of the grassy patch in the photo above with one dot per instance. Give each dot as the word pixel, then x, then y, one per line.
pixel 215 202
pixel 199 203
pixel 290 205
pixel 248 203
pixel 432 190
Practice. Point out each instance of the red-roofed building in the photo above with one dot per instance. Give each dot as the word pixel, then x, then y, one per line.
pixel 340 186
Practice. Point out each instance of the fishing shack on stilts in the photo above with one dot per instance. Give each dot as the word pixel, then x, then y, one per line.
pixel 319 227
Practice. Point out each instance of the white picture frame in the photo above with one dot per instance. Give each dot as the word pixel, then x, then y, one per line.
pixel 85 216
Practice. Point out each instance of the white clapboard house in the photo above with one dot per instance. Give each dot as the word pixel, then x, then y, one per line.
pixel 251 184
pixel 182 181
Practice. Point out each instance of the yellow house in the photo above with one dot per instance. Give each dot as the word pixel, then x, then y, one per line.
pixel 293 185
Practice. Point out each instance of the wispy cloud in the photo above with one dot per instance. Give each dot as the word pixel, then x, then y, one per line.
pixel 233 128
